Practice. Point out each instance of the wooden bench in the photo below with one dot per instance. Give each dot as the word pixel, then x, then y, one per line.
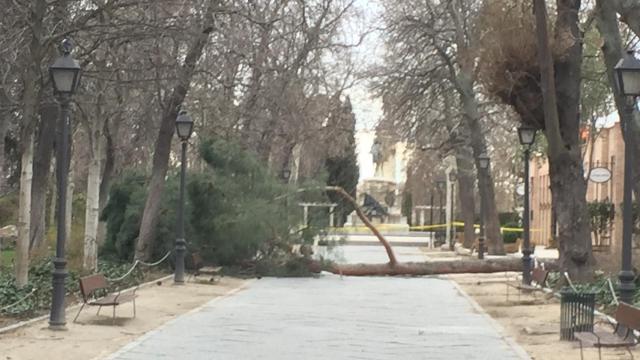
pixel 199 267
pixel 627 320
pixel 95 292
pixel 538 280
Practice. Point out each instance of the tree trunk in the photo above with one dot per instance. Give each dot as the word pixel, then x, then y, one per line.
pixel 41 168
pixel 607 23
pixel 436 267
pixel 24 212
pixel 92 211
pixel 4 126
pixel 365 220
pixel 568 186
pixel 163 143
pixel 465 194
pixel 106 177
pixel 495 245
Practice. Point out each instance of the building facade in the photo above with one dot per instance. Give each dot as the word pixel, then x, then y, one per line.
pixel 602 149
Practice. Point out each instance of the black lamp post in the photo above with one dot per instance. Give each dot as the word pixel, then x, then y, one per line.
pixel 483 162
pixel 527 137
pixel 184 128
pixel 452 229
pixel 628 76
pixel 65 77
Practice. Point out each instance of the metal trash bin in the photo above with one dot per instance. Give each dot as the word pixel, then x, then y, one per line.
pixel 576 312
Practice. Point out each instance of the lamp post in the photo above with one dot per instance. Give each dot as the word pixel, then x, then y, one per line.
pixel 184 128
pixel 628 76
pixel 527 136
pixel 65 77
pixel 483 163
pixel 441 184
pixel 452 229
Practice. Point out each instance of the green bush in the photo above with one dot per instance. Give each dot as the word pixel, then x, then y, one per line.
pixel 9 209
pixel 236 211
pixel 510 237
pixel 35 297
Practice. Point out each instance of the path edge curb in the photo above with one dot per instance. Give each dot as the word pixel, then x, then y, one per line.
pixel 494 323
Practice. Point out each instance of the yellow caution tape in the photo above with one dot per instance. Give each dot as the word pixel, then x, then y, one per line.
pixel 422 227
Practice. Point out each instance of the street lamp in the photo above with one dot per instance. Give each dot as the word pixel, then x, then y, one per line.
pixel 527 136
pixel 184 128
pixel 452 229
pixel 65 77
pixel 483 162
pixel 628 76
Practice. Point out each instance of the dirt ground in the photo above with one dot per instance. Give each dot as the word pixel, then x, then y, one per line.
pixel 533 321
pixel 95 337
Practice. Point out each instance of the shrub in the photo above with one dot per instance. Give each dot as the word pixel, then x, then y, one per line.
pixel 236 211
pixel 510 237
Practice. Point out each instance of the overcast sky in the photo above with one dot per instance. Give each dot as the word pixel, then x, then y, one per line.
pixel 367 109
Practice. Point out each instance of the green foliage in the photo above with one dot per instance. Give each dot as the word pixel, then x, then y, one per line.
pixel 236 211
pixel 510 237
pixel 9 209
pixel 601 215
pixel 122 214
pixel 343 172
pixel 507 219
pixel 35 297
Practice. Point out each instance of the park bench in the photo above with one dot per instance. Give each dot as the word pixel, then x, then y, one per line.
pixel 199 267
pixel 538 280
pixel 627 319
pixel 95 292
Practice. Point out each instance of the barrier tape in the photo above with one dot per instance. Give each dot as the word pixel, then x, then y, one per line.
pixel 423 227
pixel 142 263
pixel 3 309
pixel 135 264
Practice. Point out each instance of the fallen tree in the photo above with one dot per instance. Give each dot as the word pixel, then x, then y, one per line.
pixel 393 267
pixel 436 267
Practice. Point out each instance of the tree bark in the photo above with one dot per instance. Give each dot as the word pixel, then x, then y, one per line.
pixel 465 195
pixel 495 244
pixel 464 83
pixel 4 126
pixel 24 212
pixel 392 257
pixel 568 186
pixel 41 168
pixel 92 210
pixel 436 267
pixel 612 50
pixel 163 143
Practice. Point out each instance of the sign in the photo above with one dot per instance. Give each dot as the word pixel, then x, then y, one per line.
pixel 600 175
pixel 520 189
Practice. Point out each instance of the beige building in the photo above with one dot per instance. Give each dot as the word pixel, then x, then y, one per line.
pixel 606 150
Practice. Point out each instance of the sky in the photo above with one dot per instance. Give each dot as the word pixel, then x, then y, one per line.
pixel 368 109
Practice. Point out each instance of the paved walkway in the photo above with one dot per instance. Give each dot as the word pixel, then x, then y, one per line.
pixel 331 318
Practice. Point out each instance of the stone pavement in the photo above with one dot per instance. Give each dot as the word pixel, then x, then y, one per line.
pixel 331 318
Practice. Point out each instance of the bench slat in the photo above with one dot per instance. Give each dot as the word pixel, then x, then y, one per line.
pixel 606 339
pixel 113 299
